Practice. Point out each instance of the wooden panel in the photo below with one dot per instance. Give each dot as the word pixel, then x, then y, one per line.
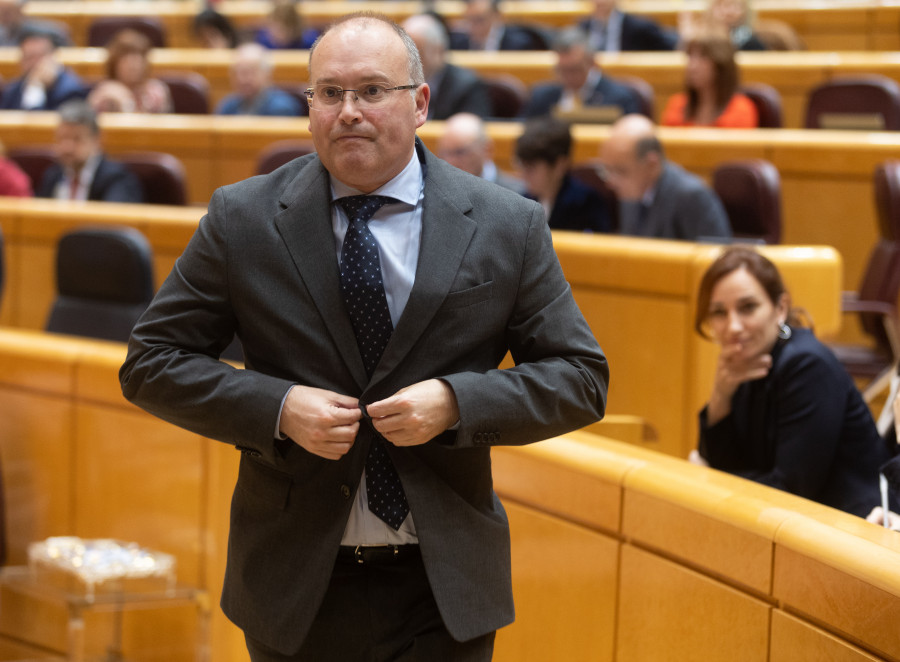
pixel 563 475
pixel 694 618
pixel 565 609
pixel 856 570
pixel 796 641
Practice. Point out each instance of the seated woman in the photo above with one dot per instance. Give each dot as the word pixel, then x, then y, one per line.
pixel 711 96
pixel 128 87
pixel 783 411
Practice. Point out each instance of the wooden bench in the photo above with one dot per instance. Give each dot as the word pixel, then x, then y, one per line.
pixel 826 175
pixel 619 553
pixel 638 296
pixel 792 74
pixel 841 24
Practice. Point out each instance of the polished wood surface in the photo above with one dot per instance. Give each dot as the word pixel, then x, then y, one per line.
pixel 792 74
pixel 826 176
pixel 619 553
pixel 638 296
pixel 838 24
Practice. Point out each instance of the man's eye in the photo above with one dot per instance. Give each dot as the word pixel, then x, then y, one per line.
pixel 329 92
pixel 373 91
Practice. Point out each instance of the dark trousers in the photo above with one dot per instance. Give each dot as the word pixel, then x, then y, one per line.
pixel 383 612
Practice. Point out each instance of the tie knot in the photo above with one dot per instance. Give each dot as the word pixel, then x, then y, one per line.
pixel 363 207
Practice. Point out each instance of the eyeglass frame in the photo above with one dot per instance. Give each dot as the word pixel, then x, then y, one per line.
pixel 310 91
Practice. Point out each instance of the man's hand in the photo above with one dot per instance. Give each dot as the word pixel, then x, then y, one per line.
pixel 322 422
pixel 415 414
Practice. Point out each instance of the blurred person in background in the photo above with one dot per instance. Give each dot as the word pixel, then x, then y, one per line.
pixel 543 152
pixel 284 27
pixel 453 89
pixel 253 92
pixel 711 96
pixel 657 198
pixel 484 28
pixel 214 30
pixel 580 82
pixel 128 87
pixel 14 25
pixel 44 83
pixel 13 181
pixel 465 144
pixel 82 171
pixel 611 30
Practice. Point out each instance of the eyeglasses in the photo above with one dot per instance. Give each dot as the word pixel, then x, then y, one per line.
pixel 370 94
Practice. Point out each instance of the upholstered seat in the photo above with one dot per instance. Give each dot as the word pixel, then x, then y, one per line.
pixel 868 102
pixel 33 161
pixel 507 93
pixel 278 153
pixel 190 92
pixel 768 104
pixel 104 28
pixel 875 303
pixel 750 190
pixel 104 282
pixel 162 176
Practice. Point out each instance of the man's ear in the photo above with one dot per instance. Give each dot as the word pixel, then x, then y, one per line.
pixel 423 96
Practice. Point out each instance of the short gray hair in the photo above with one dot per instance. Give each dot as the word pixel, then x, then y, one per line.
pixel 78 111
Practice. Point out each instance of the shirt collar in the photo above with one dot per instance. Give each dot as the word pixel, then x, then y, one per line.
pixel 405 187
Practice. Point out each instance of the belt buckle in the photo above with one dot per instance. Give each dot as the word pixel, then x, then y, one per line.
pixel 360 552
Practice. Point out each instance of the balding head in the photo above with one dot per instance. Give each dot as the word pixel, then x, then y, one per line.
pixel 465 143
pixel 251 70
pixel 632 156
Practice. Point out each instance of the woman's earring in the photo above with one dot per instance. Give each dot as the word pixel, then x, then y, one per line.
pixel 784 331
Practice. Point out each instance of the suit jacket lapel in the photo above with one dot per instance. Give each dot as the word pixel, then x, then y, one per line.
pixel 446 233
pixel 305 227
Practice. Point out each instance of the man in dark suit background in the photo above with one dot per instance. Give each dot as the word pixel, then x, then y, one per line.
pixel 610 30
pixel 581 84
pixel 82 171
pixel 44 83
pixel 485 29
pixel 657 198
pixel 453 89
pixel 343 401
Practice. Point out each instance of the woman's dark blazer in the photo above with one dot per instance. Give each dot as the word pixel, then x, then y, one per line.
pixel 804 428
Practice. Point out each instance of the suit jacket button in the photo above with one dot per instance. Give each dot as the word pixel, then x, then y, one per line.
pixel 345 491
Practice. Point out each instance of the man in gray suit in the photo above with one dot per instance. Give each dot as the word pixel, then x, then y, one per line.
pixel 657 198
pixel 364 525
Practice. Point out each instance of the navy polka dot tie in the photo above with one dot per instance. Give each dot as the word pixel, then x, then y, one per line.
pixel 363 290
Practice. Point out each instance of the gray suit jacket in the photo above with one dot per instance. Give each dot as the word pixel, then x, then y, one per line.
pixel 684 207
pixel 262 263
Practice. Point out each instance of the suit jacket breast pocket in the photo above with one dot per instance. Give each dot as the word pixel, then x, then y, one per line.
pixel 469 296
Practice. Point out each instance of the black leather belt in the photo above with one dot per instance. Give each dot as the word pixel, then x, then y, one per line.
pixel 377 554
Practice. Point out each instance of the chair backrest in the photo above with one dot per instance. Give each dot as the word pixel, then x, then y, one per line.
pixel 868 102
pixel 33 161
pixel 880 282
pixel 590 173
pixel 507 94
pixel 768 104
pixel 278 153
pixel 104 281
pixel 643 91
pixel 887 198
pixel 541 37
pixel 162 176
pixel 190 92
pixel 104 28
pixel 750 190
